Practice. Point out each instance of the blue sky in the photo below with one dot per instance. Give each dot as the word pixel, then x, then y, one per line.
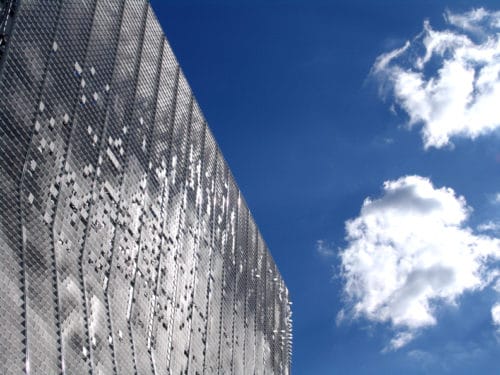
pixel 371 168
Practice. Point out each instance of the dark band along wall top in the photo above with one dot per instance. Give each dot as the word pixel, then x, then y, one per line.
pixel 126 246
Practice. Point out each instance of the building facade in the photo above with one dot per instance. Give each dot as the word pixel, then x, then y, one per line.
pixel 126 246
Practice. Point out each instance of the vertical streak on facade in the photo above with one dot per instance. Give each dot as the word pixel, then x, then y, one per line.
pixel 126 245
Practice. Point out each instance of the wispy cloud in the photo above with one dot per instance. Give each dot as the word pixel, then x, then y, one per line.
pixel 496 198
pixel 400 340
pixel 448 81
pixel 476 21
pixel 490 226
pixel 497 284
pixel 449 357
pixel 324 249
pixel 410 250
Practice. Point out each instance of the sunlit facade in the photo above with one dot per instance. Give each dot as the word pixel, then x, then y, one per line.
pixel 126 246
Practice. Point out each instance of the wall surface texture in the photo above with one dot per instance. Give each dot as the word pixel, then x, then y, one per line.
pixel 126 246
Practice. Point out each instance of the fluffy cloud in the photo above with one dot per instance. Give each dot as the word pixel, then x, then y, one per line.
pixel 448 81
pixel 409 250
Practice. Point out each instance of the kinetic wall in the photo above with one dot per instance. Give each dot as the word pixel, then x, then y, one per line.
pixel 126 246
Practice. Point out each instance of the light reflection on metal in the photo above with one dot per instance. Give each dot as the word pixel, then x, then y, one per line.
pixel 126 245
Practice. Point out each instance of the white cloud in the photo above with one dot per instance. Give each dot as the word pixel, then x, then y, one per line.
pixel 460 97
pixel 475 21
pixel 409 250
pixel 490 226
pixel 324 249
pixel 496 199
pixel 400 340
pixel 497 284
pixel 495 315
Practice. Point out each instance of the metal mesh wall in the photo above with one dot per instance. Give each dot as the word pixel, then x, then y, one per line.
pixel 126 246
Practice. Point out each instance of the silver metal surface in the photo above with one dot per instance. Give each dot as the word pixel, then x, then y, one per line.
pixel 126 246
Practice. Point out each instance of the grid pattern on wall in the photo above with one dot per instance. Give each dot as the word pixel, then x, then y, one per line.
pixel 126 246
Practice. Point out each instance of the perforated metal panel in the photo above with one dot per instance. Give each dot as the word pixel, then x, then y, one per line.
pixel 126 246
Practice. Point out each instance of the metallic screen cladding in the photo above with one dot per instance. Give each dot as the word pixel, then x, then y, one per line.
pixel 126 246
